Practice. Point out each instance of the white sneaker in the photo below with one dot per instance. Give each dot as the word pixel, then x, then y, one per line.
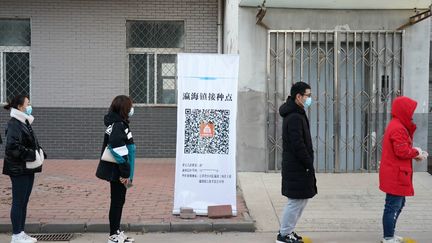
pixel 393 240
pixel 29 237
pixel 399 238
pixel 115 239
pixel 20 238
pixel 126 239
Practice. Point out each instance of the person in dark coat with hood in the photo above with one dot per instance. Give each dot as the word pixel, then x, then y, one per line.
pixel 22 160
pixel 118 168
pixel 396 172
pixel 298 173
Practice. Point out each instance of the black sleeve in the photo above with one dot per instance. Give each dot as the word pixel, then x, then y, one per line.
pixel 14 146
pixel 296 138
pixel 45 155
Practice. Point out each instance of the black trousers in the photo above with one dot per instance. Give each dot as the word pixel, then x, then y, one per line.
pixel 118 197
pixel 21 189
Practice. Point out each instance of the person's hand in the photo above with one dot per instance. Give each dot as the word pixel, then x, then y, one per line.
pixel 420 155
pixel 424 156
pixel 124 180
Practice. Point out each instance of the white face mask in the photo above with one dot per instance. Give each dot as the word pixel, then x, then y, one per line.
pixel 131 112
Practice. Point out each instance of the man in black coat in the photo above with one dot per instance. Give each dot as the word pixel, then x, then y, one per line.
pixel 298 173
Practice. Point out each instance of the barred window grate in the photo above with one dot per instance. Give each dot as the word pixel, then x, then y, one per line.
pixel 152 48
pixel 17 74
pixel 14 58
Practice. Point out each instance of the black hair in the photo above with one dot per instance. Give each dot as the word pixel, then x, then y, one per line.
pixel 15 102
pixel 121 105
pixel 299 88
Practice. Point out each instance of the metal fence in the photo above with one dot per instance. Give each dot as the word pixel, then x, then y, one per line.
pixel 14 58
pixel 152 50
pixel 354 76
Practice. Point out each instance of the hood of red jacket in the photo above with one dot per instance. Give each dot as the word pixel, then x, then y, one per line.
pixel 403 109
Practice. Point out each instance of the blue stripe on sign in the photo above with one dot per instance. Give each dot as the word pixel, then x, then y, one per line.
pixel 208 78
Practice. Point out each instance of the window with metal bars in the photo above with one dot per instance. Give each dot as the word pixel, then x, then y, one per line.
pixel 15 40
pixel 152 48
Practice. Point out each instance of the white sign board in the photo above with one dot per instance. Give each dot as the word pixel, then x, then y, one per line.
pixel 206 132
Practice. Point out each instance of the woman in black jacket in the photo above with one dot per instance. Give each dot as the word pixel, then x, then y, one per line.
pixel 118 168
pixel 21 161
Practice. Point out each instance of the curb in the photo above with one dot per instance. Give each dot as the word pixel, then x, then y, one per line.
pixel 202 226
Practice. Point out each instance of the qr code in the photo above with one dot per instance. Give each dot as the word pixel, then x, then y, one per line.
pixel 206 131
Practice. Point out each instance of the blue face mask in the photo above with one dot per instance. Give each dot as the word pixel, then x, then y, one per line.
pixel 131 112
pixel 28 110
pixel 308 102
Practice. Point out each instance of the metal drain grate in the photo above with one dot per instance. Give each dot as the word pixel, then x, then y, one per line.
pixel 53 237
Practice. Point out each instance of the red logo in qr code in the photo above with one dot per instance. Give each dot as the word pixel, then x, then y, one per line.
pixel 207 129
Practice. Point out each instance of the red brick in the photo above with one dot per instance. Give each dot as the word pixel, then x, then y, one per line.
pixel 69 190
pixel 219 211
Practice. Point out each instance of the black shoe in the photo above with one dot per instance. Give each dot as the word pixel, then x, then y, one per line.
pixel 298 237
pixel 287 239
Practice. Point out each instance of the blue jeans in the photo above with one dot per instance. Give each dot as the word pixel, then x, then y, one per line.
pixel 21 189
pixel 291 214
pixel 392 209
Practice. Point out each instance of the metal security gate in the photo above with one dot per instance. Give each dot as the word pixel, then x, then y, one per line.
pixel 354 75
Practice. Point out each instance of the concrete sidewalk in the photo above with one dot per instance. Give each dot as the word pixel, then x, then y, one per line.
pixel 345 203
pixel 236 237
pixel 67 197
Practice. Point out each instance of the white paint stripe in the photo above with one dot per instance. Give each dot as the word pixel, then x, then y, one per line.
pixel 129 135
pixel 126 130
pixel 122 151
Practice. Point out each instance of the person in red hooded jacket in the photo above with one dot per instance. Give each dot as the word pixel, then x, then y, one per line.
pixel 395 172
